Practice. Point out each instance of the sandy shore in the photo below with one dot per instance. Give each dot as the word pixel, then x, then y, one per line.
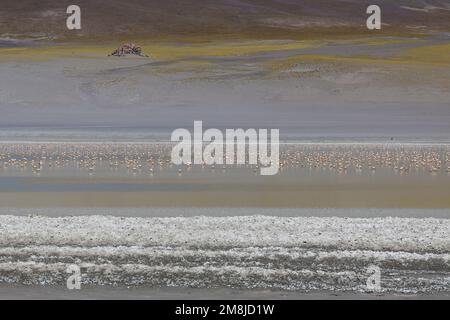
pixel 361 88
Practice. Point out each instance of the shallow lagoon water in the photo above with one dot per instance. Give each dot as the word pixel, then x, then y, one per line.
pixel 344 175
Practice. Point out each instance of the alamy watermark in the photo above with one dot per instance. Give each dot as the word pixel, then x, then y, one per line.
pixel 73 22
pixel 374 20
pixel 235 146
pixel 74 280
pixel 373 282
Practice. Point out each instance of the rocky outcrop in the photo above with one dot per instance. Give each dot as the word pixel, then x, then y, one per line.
pixel 128 48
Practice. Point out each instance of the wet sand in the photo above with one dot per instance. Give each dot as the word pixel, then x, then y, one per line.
pixel 228 211
pixel 112 293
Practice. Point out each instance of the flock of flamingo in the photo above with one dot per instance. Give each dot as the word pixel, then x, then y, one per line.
pixel 150 158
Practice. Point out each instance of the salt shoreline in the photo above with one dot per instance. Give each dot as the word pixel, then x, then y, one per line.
pixel 389 233
pixel 288 254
